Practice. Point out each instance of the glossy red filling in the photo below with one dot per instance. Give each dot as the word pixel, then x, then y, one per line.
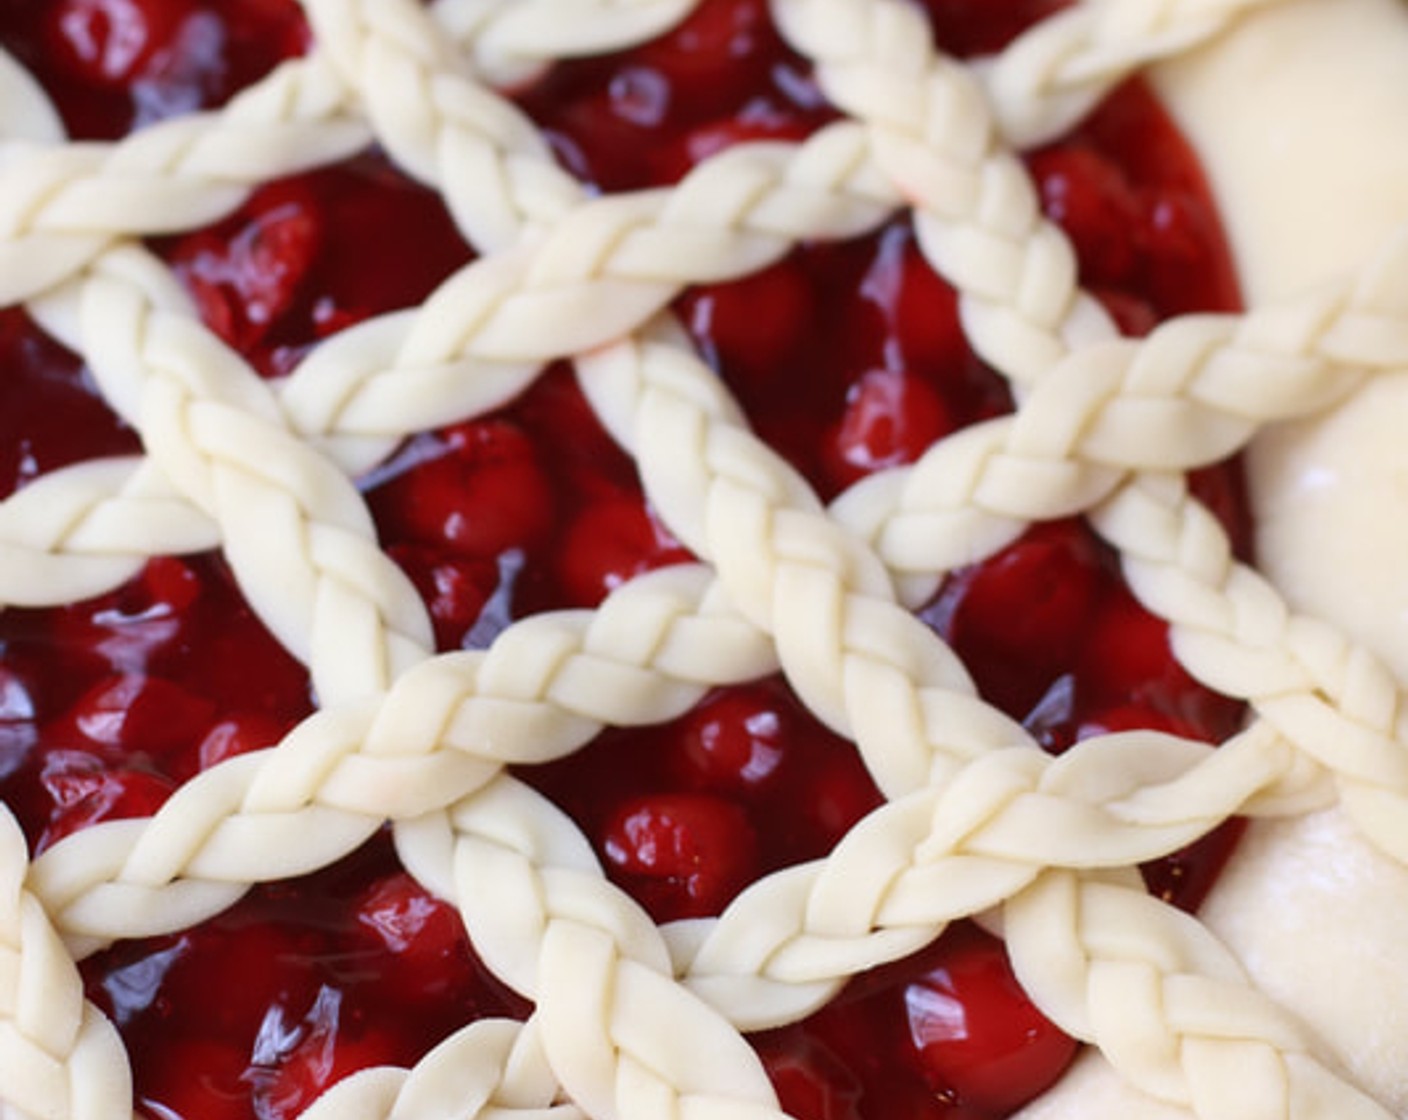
pixel 847 358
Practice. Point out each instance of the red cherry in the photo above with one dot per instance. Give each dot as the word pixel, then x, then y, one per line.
pixel 421 945
pixel 671 162
pixel 166 583
pixel 85 792
pixel 108 43
pixel 50 412
pixel 812 1083
pixel 1133 316
pixel 891 418
pixel 975 27
pixel 480 492
pixel 723 46
pixel 130 626
pixel 138 713
pixel 835 793
pixel 455 589
pixel 1089 197
pixel 1020 616
pixel 235 976
pixel 926 316
pixel 608 543
pixel 735 741
pixel 1184 877
pixel 976 1032
pixel 327 1053
pixel 750 328
pixel 682 855
pixel 194 1078
pixel 238 734
pixel 1127 655
pixel 248 272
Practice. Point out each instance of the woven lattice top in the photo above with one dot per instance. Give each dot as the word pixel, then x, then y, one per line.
pixel 632 1020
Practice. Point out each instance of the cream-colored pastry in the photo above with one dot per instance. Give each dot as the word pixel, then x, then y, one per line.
pixel 622 1036
pixel 1310 181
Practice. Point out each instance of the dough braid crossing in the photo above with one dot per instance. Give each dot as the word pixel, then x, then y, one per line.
pixel 600 269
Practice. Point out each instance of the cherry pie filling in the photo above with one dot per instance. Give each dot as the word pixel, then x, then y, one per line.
pixel 848 359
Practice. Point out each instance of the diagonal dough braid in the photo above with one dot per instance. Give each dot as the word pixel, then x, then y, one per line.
pixel 509 41
pixel 296 532
pixel 986 201
pixel 1189 394
pixel 546 686
pixel 1332 698
pixel 59 1057
pixel 547 922
pixel 81 530
pixel 493 1069
pixel 60 207
pixel 1053 74
pixel 1169 1001
pixel 785 578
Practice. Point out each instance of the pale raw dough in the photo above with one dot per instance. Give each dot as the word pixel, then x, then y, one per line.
pixel 1315 914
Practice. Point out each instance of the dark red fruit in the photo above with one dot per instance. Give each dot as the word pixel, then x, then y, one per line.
pixel 423 936
pixel 926 316
pixel 50 412
pixel 1184 878
pixel 238 734
pixel 756 325
pixel 134 713
pixel 682 855
pixel 891 418
pixel 735 741
pixel 721 46
pixel 1089 196
pixel 976 1033
pixel 811 1082
pixel 108 43
pixel 978 27
pixel 257 969
pixel 196 1077
pixel 608 543
pixel 250 273
pixel 454 588
pixel 85 791
pixel 480 490
pixel 325 1053
pixel 1134 318
pixel 1020 616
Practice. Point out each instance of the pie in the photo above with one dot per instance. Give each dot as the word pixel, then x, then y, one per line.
pixel 702 558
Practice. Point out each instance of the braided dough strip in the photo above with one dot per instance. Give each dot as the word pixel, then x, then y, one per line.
pixel 860 47
pixel 546 686
pixel 295 531
pixel 59 208
pixel 1053 74
pixel 62 206
pixel 1164 996
pixel 81 530
pixel 59 1057
pixel 493 1069
pixel 508 41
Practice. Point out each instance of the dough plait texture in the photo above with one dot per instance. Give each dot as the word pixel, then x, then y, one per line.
pixel 622 244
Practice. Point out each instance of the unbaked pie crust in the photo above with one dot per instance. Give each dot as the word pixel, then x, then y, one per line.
pixel 631 1020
